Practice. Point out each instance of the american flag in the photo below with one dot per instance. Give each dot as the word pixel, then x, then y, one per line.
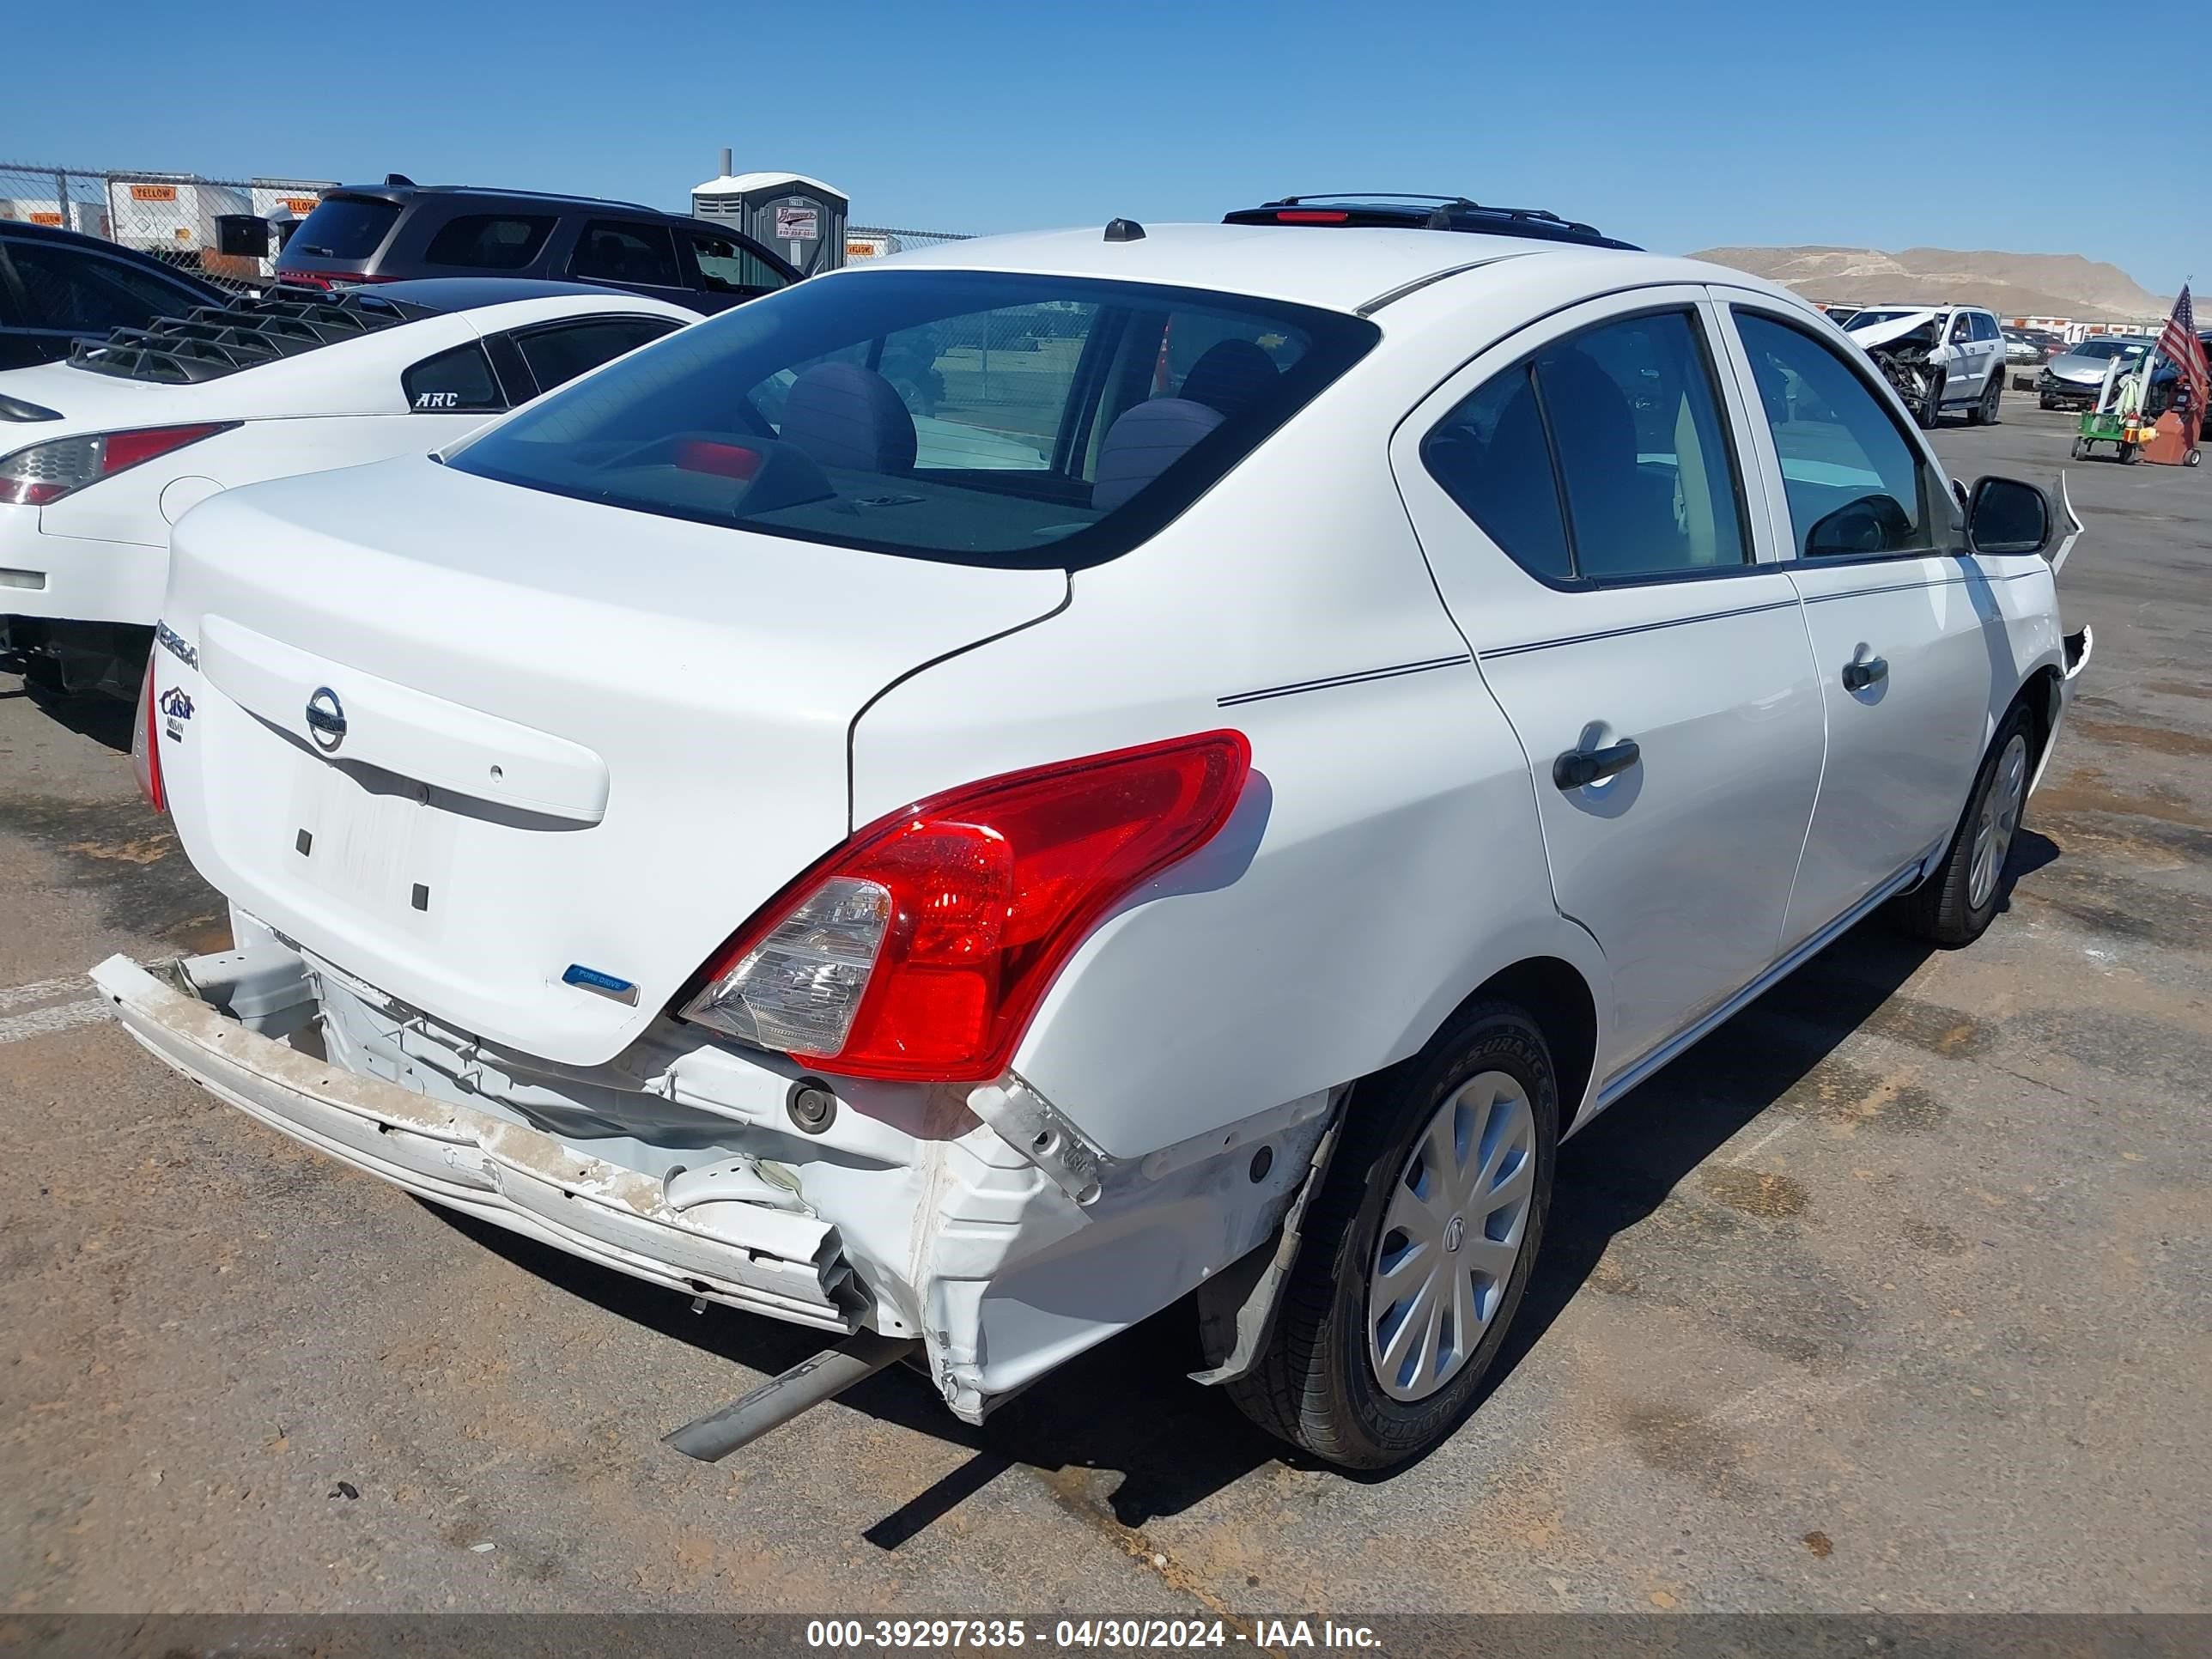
pixel 2178 344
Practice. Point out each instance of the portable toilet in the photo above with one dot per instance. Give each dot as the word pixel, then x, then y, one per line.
pixel 801 218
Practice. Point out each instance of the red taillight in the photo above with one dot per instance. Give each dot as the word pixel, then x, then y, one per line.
pixel 1311 216
pixel 45 472
pixel 921 947
pixel 330 279
pixel 145 746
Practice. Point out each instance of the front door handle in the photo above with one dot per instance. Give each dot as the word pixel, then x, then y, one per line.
pixel 1863 671
pixel 1579 767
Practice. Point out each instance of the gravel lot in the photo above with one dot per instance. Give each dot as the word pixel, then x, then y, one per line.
pixel 1893 1295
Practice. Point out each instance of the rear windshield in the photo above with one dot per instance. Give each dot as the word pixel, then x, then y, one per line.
pixel 344 227
pixel 977 417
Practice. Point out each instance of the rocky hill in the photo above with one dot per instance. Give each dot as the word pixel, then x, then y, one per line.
pixel 2011 284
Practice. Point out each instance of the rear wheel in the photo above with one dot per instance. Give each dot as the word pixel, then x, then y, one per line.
pixel 1955 905
pixel 1418 1247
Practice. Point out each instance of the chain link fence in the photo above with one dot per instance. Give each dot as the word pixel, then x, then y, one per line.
pixel 879 241
pixel 201 225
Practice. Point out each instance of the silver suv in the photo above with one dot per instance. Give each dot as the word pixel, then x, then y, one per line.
pixel 1938 357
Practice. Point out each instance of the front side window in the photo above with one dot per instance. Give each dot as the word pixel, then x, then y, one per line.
pixel 1603 457
pixel 612 252
pixel 1962 328
pixel 1855 483
pixel 727 267
pixel 977 418
pixel 558 355
pixel 489 241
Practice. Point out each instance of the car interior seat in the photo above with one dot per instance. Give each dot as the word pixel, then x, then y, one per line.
pixel 1624 517
pixel 842 414
pixel 1144 442
pixel 1231 376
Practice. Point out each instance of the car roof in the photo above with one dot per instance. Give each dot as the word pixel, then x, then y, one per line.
pixel 403 194
pixel 446 293
pixel 1350 267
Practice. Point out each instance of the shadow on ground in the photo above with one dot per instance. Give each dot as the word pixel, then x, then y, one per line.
pixel 1127 1409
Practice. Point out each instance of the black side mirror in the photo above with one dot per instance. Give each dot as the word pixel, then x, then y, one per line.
pixel 2004 515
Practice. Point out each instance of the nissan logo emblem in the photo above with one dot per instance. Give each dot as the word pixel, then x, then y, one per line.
pixel 327 721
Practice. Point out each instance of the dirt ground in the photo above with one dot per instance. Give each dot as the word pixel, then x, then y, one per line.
pixel 1893 1295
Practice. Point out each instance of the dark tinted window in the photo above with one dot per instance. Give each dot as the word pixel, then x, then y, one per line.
pixel 1645 458
pixel 487 241
pixel 618 253
pixel 70 288
pixel 1855 484
pixel 558 355
pixel 344 227
pixel 452 382
pixel 1620 425
pixel 982 417
pixel 729 267
pixel 1492 457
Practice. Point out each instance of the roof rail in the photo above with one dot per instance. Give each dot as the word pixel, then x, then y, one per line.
pixel 210 342
pixel 1404 209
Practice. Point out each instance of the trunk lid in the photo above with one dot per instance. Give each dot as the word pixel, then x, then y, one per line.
pixel 546 734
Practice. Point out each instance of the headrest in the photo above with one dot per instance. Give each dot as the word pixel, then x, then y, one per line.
pixel 1145 442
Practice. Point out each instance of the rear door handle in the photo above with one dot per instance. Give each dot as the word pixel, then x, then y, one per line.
pixel 1863 671
pixel 1579 767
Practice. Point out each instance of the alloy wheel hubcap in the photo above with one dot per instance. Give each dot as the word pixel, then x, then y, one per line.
pixel 1452 1231
pixel 1997 822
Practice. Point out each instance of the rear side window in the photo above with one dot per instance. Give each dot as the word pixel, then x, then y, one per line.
pixel 344 227
pixel 730 267
pixel 487 241
pixel 454 382
pixel 1854 482
pixel 558 355
pixel 613 252
pixel 1603 457
pixel 977 418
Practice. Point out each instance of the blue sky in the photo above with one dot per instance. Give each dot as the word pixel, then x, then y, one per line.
pixel 1675 126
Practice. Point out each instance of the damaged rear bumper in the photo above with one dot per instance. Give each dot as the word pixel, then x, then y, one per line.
pixel 985 1222
pixel 790 1266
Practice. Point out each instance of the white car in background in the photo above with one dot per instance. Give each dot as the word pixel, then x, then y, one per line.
pixel 967 907
pixel 1940 358
pixel 100 454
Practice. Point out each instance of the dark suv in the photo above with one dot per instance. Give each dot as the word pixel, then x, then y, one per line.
pixel 58 286
pixel 398 229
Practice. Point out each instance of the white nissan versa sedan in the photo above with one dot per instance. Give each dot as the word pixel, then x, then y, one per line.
pixel 1426 680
